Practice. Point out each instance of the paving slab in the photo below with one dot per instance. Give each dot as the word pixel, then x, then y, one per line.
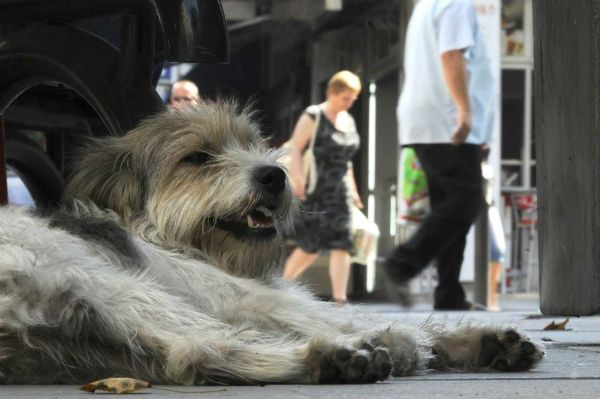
pixel 485 389
pixel 571 368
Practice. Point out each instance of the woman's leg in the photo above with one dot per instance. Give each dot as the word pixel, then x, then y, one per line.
pixel 297 262
pixel 339 273
pixel 497 250
pixel 494 276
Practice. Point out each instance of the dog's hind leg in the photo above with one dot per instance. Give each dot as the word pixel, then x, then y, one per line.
pixel 467 346
pixel 475 347
pixel 85 308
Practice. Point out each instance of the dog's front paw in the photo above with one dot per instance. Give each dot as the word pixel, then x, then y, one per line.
pixel 509 351
pixel 339 365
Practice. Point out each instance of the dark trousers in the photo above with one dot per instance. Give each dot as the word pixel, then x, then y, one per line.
pixel 455 193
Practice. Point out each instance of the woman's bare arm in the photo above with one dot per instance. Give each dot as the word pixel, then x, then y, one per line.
pixel 301 136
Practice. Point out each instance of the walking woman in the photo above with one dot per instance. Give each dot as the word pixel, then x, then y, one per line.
pixel 326 211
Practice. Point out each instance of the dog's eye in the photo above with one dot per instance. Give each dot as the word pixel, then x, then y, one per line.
pixel 198 158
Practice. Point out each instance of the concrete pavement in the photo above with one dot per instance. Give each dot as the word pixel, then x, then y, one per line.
pixel 571 368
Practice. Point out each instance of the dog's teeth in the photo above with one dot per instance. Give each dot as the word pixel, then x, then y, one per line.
pixel 253 224
pixel 265 211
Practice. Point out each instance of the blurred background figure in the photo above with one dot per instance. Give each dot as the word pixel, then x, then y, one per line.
pixel 497 252
pixel 445 114
pixel 184 93
pixel 326 211
pixel 415 208
pixel 495 233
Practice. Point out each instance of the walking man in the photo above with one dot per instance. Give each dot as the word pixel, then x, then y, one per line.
pixel 445 113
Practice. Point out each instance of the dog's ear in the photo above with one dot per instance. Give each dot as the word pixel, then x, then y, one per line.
pixel 105 174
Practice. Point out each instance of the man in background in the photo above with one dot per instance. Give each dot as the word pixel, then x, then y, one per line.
pixel 184 93
pixel 445 114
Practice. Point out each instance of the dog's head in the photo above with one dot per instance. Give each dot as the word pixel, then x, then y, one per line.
pixel 197 179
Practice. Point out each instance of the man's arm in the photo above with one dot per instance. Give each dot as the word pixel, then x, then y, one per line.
pixel 455 74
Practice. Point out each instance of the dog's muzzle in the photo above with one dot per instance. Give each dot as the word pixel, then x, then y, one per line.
pixel 259 222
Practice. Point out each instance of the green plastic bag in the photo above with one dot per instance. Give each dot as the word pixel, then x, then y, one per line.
pixel 415 197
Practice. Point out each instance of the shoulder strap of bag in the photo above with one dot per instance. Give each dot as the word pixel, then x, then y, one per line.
pixel 310 167
pixel 317 111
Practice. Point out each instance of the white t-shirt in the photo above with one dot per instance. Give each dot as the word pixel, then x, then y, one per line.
pixel 426 112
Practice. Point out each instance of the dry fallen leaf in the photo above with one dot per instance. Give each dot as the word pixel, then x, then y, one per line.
pixel 557 326
pixel 116 385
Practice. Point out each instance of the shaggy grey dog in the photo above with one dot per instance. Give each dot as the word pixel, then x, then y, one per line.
pixel 164 270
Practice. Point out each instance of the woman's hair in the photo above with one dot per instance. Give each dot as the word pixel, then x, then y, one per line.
pixel 344 80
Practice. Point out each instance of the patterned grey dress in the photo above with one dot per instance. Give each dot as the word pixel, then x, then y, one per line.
pixel 326 214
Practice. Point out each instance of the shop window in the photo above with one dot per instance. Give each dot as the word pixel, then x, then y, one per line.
pixel 514 42
pixel 18 194
pixel 518 141
pixel 513 113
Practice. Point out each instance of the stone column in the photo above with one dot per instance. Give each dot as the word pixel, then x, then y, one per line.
pixel 567 130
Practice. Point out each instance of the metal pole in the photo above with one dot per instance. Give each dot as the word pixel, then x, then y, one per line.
pixel 482 244
pixel 3 186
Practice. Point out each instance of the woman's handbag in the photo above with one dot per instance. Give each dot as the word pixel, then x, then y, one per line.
pixel 364 238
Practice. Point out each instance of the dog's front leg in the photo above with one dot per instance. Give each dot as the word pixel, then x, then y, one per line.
pixel 337 351
pixel 252 357
pixel 271 334
pixel 246 357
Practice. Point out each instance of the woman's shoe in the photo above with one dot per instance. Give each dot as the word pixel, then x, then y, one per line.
pixel 341 302
pixel 466 305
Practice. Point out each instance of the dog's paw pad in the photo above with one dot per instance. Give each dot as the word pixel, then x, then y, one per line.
pixel 344 365
pixel 491 348
pixel 527 348
pixel 357 366
pixel 508 351
pixel 382 363
pixel 367 346
pixel 343 355
pixel 511 336
pixel 328 371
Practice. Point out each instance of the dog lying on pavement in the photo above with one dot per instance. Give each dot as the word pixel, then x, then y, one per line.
pixel 165 269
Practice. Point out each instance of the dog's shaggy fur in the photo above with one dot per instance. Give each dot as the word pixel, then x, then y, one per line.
pixel 165 270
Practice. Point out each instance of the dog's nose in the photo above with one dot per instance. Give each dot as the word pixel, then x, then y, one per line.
pixel 271 178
